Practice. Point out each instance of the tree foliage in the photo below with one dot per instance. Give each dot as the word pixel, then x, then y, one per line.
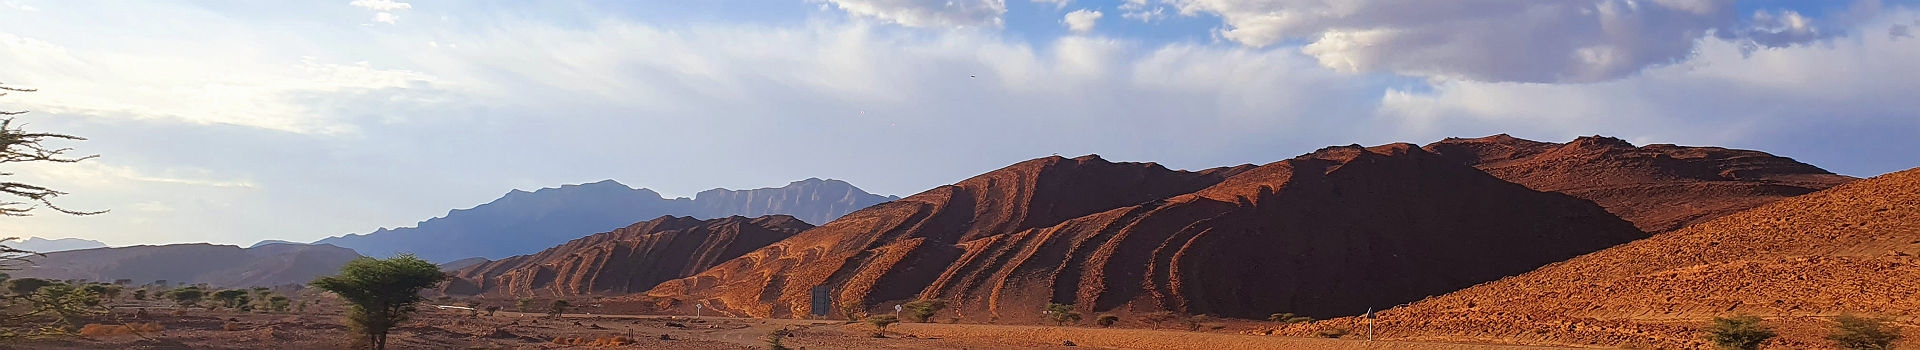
pixel 1860 333
pixel 921 310
pixel 382 293
pixel 1061 314
pixel 18 145
pixel 1738 332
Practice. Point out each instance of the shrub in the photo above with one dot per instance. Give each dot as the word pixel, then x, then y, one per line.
pixel 1106 320
pixel 1738 332
pixel 1157 317
pixel 1288 318
pixel 492 309
pixel 558 308
pixel 1194 323
pixel 1061 314
pixel 775 340
pixel 921 310
pixel 1333 333
pixel 524 304
pixel 1859 333
pixel 880 322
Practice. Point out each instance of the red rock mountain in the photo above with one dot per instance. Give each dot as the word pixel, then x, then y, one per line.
pixel 626 260
pixel 1328 233
pixel 1658 187
pixel 1796 263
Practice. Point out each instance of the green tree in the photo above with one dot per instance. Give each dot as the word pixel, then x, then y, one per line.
pixel 921 310
pixel 558 308
pixel 1738 332
pixel 187 296
pixel 382 293
pixel 230 298
pixel 64 303
pixel 26 286
pixel 492 309
pixel 1106 320
pixel 278 303
pixel 1860 333
pixel 1061 314
pixel 524 304
pixel 140 294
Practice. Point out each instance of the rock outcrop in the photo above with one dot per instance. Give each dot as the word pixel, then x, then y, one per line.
pixel 1328 233
pixel 627 260
pixel 1658 187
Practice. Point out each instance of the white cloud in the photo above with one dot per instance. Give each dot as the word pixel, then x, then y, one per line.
pixel 235 88
pixel 928 13
pixel 1139 10
pixel 20 6
pixel 381 5
pixel 1848 90
pixel 1081 21
pixel 1057 4
pixel 1494 40
pixel 384 9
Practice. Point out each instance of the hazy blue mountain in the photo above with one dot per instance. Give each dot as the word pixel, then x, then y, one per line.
pixel 42 245
pixel 218 265
pixel 524 222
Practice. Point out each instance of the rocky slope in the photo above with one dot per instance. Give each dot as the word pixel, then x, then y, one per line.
pixel 1796 262
pixel 218 265
pixel 630 259
pixel 1658 187
pixel 524 222
pixel 1329 233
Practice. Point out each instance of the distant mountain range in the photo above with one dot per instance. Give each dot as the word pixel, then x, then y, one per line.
pixel 42 245
pixel 217 265
pixel 524 222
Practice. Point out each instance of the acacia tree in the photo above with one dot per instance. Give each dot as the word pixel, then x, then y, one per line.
pixel 20 146
pixel 382 292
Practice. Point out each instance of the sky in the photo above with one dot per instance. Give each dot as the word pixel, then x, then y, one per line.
pixel 234 121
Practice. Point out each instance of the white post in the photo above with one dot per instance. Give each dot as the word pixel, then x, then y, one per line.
pixel 697 308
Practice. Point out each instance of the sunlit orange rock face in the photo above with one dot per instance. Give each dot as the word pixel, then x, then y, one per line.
pixel 1796 262
pixel 627 260
pixel 1328 233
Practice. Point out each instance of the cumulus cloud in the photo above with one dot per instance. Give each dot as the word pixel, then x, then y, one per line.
pixel 1784 100
pixel 1140 11
pixel 928 13
pixel 1081 21
pixel 1495 40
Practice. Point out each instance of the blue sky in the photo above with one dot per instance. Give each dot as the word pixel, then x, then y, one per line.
pixel 237 121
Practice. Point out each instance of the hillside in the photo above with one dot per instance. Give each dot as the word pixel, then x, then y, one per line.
pixel 42 245
pixel 1328 233
pixel 1658 187
pixel 218 265
pixel 1796 262
pixel 630 259
pixel 524 222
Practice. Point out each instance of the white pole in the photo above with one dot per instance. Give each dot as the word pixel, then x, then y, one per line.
pixel 697 308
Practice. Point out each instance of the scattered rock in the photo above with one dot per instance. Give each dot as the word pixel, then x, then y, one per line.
pixel 1067 343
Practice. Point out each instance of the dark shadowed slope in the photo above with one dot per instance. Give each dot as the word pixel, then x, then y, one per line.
pixel 219 265
pixel 525 222
pixel 1657 187
pixel 630 259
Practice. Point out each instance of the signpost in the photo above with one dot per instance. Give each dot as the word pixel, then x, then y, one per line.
pixel 821 301
pixel 697 307
pixel 1369 324
pixel 896 310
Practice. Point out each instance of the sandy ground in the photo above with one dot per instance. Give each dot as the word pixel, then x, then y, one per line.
pixel 456 329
